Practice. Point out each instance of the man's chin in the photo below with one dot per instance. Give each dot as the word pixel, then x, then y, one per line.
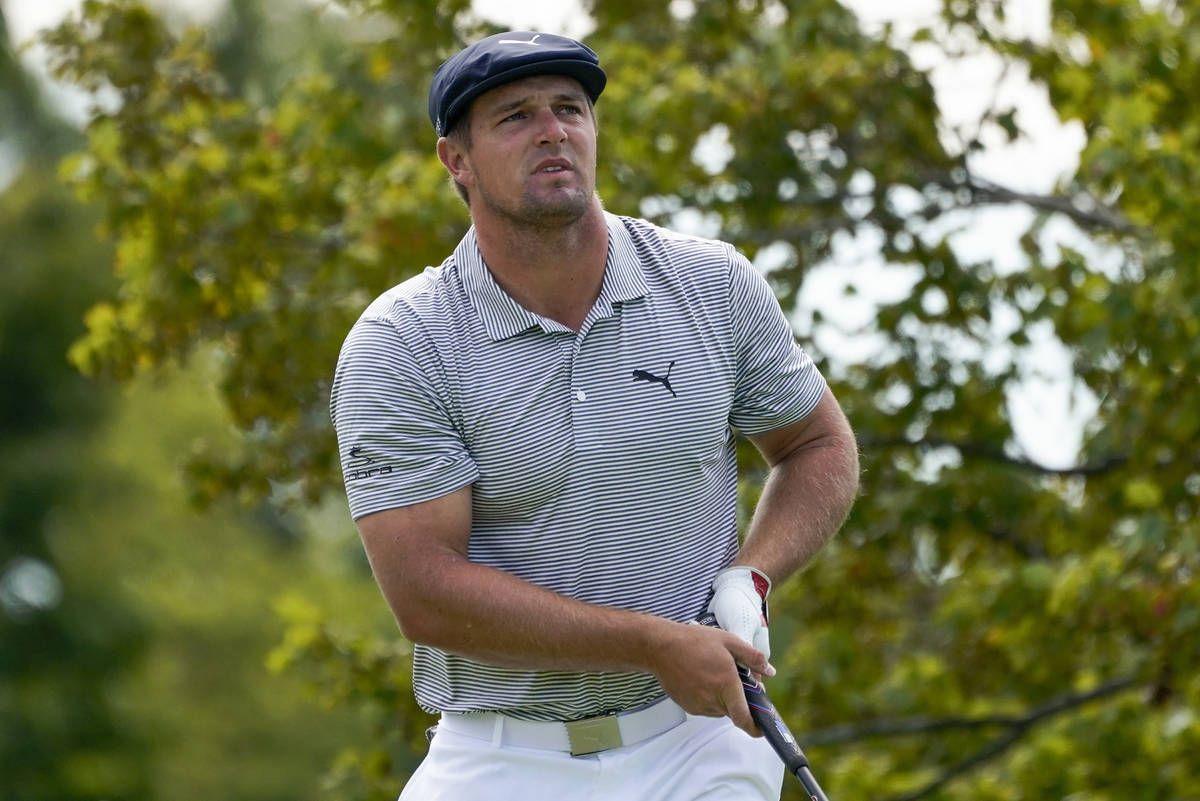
pixel 562 210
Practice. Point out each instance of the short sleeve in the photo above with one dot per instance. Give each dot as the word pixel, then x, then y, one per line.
pixel 396 436
pixel 777 383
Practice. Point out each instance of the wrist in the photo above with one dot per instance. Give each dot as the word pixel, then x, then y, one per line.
pixel 651 637
pixel 746 576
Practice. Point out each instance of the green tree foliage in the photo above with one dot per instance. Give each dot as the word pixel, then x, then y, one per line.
pixel 986 627
pixel 64 642
pixel 133 629
pixel 213 720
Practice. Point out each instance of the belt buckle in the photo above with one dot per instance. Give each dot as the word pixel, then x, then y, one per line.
pixel 591 735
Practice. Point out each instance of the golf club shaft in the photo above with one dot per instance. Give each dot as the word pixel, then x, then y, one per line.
pixel 773 728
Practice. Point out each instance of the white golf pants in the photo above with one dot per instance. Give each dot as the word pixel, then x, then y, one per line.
pixel 701 759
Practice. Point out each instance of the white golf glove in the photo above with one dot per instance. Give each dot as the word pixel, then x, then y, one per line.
pixel 739 603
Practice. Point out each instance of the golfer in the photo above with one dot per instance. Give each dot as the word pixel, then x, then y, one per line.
pixel 538 444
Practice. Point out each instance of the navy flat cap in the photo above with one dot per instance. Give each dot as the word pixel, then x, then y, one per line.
pixel 503 58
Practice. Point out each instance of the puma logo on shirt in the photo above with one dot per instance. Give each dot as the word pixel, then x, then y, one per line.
pixel 643 375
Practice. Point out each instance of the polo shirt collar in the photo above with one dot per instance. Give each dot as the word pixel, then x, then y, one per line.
pixel 624 276
pixel 503 317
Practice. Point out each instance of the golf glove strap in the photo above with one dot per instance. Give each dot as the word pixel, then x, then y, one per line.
pixel 739 603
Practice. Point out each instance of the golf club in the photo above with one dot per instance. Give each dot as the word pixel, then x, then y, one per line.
pixel 773 728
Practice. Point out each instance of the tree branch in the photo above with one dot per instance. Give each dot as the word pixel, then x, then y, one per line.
pixel 979 450
pixel 992 749
pixel 985 192
pixel 1028 550
pixel 1100 216
pixel 899 727
pixel 980 192
pixel 838 735
pixel 1017 726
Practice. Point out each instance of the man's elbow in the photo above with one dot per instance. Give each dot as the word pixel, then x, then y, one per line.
pixel 848 445
pixel 844 465
pixel 830 432
pixel 419 623
pixel 423 602
pixel 411 594
pixel 412 624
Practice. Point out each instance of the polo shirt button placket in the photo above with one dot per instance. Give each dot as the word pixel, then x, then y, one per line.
pixel 577 413
pixel 579 396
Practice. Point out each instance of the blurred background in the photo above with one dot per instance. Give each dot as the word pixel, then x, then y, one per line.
pixel 980 216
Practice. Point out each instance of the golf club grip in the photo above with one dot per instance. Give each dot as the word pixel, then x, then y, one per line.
pixel 772 726
pixel 778 735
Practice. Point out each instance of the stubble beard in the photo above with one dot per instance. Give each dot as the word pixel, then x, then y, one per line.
pixel 538 212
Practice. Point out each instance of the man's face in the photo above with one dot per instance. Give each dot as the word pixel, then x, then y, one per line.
pixel 532 155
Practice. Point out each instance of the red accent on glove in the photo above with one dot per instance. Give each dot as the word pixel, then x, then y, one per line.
pixel 761 583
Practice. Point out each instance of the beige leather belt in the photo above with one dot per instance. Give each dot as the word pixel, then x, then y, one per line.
pixel 578 737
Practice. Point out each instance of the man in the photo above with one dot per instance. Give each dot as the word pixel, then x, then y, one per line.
pixel 538 446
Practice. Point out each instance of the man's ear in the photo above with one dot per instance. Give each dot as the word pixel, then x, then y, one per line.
pixel 454 159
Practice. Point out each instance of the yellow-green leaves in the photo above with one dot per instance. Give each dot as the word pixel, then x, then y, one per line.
pixel 256 213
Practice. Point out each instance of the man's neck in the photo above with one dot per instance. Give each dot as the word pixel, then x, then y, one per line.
pixel 556 272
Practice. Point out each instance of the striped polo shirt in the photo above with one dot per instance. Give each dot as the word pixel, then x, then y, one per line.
pixel 602 460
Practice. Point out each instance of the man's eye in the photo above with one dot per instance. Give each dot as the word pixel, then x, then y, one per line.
pixel 571 109
pixel 516 115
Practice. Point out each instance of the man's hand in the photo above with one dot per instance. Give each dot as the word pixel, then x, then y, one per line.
pixel 697 667
pixel 740 604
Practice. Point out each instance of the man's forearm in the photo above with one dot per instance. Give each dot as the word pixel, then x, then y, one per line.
pixel 494 617
pixel 418 554
pixel 491 616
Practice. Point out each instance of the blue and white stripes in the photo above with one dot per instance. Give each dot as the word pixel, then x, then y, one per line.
pixel 602 461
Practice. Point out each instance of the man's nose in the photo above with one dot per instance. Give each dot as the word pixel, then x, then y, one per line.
pixel 551 129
